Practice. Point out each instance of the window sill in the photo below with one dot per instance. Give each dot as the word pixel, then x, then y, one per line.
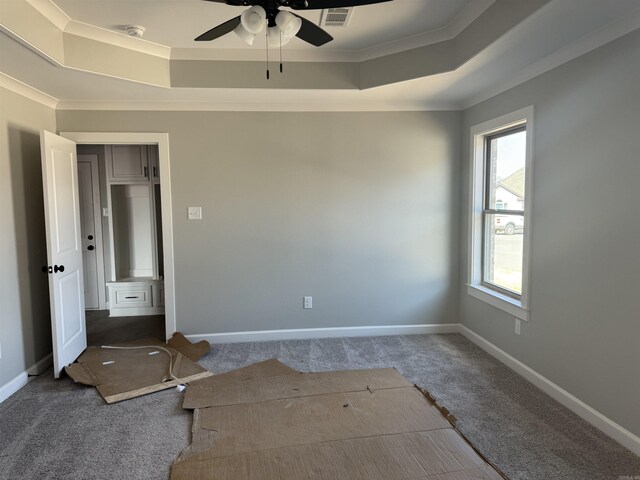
pixel 503 302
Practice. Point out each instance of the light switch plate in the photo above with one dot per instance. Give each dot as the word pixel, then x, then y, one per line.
pixel 195 213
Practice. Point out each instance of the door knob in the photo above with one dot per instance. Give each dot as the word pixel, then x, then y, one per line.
pixel 57 268
pixel 90 237
pixel 90 247
pixel 47 269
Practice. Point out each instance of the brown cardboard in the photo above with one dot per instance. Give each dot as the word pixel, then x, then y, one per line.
pixel 296 385
pixel 198 394
pixel 361 424
pixel 123 374
pixel 193 351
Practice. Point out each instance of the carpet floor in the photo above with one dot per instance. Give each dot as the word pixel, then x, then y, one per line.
pixel 58 430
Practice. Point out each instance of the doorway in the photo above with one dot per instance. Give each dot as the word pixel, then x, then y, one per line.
pixel 120 208
pixel 161 286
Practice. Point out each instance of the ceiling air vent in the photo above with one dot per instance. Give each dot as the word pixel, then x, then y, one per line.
pixel 336 17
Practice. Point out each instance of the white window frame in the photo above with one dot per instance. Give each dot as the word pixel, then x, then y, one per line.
pixel 518 307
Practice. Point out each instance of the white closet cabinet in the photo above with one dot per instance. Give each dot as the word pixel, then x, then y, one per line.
pixel 136 286
pixel 128 163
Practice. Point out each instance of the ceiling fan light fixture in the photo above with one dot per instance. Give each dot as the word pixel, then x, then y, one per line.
pixel 288 23
pixel 276 38
pixel 254 19
pixel 246 36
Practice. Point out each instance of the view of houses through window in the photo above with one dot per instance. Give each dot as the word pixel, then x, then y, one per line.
pixel 503 210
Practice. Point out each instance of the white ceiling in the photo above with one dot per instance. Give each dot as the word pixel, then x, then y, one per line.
pixel 175 23
pixel 556 33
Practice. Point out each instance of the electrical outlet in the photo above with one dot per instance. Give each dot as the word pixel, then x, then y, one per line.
pixel 308 302
pixel 518 326
pixel 195 213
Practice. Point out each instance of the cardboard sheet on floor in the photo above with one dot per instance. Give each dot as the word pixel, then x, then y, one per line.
pixel 199 393
pixel 357 424
pixel 122 374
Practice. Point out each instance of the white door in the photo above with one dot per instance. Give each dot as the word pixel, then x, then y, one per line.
pixel 91 232
pixel 64 248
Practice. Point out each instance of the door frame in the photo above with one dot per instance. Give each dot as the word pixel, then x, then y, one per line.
pixel 97 219
pixel 162 142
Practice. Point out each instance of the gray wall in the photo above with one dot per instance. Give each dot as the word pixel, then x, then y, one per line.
pixel 358 210
pixel 25 328
pixel 584 332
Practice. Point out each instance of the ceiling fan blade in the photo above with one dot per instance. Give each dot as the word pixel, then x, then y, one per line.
pixel 219 31
pixel 322 4
pixel 311 33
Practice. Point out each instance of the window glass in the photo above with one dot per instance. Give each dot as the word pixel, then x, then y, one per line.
pixel 503 233
pixel 506 170
pixel 503 245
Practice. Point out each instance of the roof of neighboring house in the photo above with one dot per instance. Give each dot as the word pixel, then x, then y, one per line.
pixel 514 183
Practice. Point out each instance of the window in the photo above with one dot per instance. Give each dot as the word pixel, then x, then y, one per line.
pixel 500 206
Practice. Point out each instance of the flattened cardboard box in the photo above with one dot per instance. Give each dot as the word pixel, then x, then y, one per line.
pixel 122 374
pixel 345 425
pixel 198 394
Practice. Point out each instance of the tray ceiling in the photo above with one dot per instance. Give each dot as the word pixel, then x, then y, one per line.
pixel 75 67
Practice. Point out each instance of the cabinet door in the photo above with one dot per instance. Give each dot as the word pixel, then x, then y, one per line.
pixel 128 164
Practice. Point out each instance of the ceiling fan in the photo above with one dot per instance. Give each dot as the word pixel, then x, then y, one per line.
pixel 281 25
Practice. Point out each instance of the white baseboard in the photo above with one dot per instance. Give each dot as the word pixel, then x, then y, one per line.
pixel 12 386
pixel 20 380
pixel 41 366
pixel 577 406
pixel 306 333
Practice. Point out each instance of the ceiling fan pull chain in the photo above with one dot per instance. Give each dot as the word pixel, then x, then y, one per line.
pixel 266 36
pixel 280 52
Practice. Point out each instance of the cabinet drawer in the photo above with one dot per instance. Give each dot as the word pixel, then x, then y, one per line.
pixel 131 296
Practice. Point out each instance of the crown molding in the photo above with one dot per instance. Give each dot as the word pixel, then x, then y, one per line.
pixel 27 91
pixel 51 12
pixel 593 40
pixel 68 25
pixel 253 106
pixel 462 20
pixel 117 39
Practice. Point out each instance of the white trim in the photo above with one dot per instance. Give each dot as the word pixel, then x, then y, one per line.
pixel 162 141
pixel 498 300
pixel 20 380
pixel 40 366
pixel 252 106
pixel 577 406
pixel 64 23
pixel 27 91
pixel 462 20
pixel 12 386
pixel 331 332
pixel 477 135
pixel 51 12
pixel 25 43
pixel 589 42
pixel 455 27
pixel 117 39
